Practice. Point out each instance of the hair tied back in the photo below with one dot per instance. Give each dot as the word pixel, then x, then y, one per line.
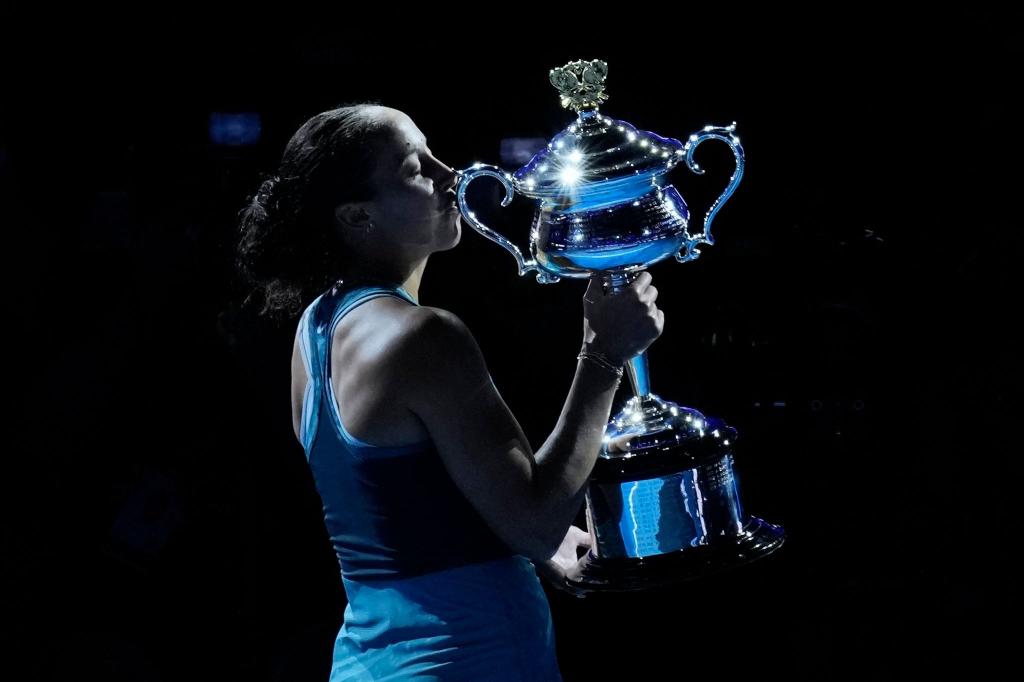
pixel 265 193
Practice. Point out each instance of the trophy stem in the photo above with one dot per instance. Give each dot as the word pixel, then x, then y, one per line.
pixel 639 377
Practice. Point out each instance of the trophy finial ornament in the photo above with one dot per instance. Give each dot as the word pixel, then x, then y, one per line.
pixel 581 84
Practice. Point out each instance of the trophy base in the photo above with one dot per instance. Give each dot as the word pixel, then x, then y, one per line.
pixel 758 539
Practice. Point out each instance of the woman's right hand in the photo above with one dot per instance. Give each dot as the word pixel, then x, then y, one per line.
pixel 621 324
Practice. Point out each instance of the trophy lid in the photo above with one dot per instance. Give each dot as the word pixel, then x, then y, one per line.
pixel 596 160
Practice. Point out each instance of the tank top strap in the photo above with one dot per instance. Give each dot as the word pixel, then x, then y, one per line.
pixel 333 306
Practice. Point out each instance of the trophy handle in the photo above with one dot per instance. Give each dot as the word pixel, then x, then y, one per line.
pixel 725 134
pixel 470 174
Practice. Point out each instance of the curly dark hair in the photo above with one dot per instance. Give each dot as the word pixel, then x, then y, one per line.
pixel 288 250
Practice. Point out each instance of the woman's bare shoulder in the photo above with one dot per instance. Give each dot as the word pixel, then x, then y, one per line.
pixel 405 334
pixel 427 339
pixel 431 325
pixel 405 322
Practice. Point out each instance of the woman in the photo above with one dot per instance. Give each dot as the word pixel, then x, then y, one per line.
pixel 438 508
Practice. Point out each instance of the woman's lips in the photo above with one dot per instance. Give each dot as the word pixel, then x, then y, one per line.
pixel 452 203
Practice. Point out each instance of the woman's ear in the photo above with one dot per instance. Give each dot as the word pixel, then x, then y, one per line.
pixel 352 216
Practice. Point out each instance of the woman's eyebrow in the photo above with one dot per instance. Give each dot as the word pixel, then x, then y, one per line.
pixel 401 157
pixel 410 149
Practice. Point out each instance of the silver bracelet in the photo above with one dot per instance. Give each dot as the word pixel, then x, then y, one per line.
pixel 601 360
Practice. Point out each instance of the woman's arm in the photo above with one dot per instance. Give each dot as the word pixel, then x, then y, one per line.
pixel 529 501
pixel 484 448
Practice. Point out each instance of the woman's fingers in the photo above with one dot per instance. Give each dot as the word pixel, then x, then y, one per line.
pixel 581 536
pixel 642 281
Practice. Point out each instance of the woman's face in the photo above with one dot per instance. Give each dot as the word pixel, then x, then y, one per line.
pixel 414 203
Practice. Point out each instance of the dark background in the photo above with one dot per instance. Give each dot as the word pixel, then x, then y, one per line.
pixel 855 321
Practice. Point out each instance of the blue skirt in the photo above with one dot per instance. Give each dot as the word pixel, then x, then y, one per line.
pixel 485 621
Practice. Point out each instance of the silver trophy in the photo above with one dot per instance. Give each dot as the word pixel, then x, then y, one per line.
pixel 662 500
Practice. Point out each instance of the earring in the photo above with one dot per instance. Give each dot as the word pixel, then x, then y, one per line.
pixel 369 226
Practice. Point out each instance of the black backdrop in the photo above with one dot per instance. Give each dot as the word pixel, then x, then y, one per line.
pixel 855 321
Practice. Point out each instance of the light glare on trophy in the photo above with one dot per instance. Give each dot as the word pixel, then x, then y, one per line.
pixel 662 501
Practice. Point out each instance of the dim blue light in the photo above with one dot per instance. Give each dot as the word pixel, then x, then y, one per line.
pixel 235 129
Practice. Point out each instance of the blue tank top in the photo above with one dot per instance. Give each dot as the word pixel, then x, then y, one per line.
pixel 392 512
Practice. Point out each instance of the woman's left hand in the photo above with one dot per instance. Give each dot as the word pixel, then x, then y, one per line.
pixel 565 563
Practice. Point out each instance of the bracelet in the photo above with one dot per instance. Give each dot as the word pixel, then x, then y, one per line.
pixel 601 360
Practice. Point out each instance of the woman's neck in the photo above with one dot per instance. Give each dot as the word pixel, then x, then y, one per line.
pixel 406 275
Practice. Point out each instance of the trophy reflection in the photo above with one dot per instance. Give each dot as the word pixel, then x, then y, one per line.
pixel 662 502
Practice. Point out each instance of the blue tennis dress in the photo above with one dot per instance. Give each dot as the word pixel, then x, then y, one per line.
pixel 433 593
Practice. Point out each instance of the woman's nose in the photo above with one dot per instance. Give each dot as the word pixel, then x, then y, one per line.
pixel 449 178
